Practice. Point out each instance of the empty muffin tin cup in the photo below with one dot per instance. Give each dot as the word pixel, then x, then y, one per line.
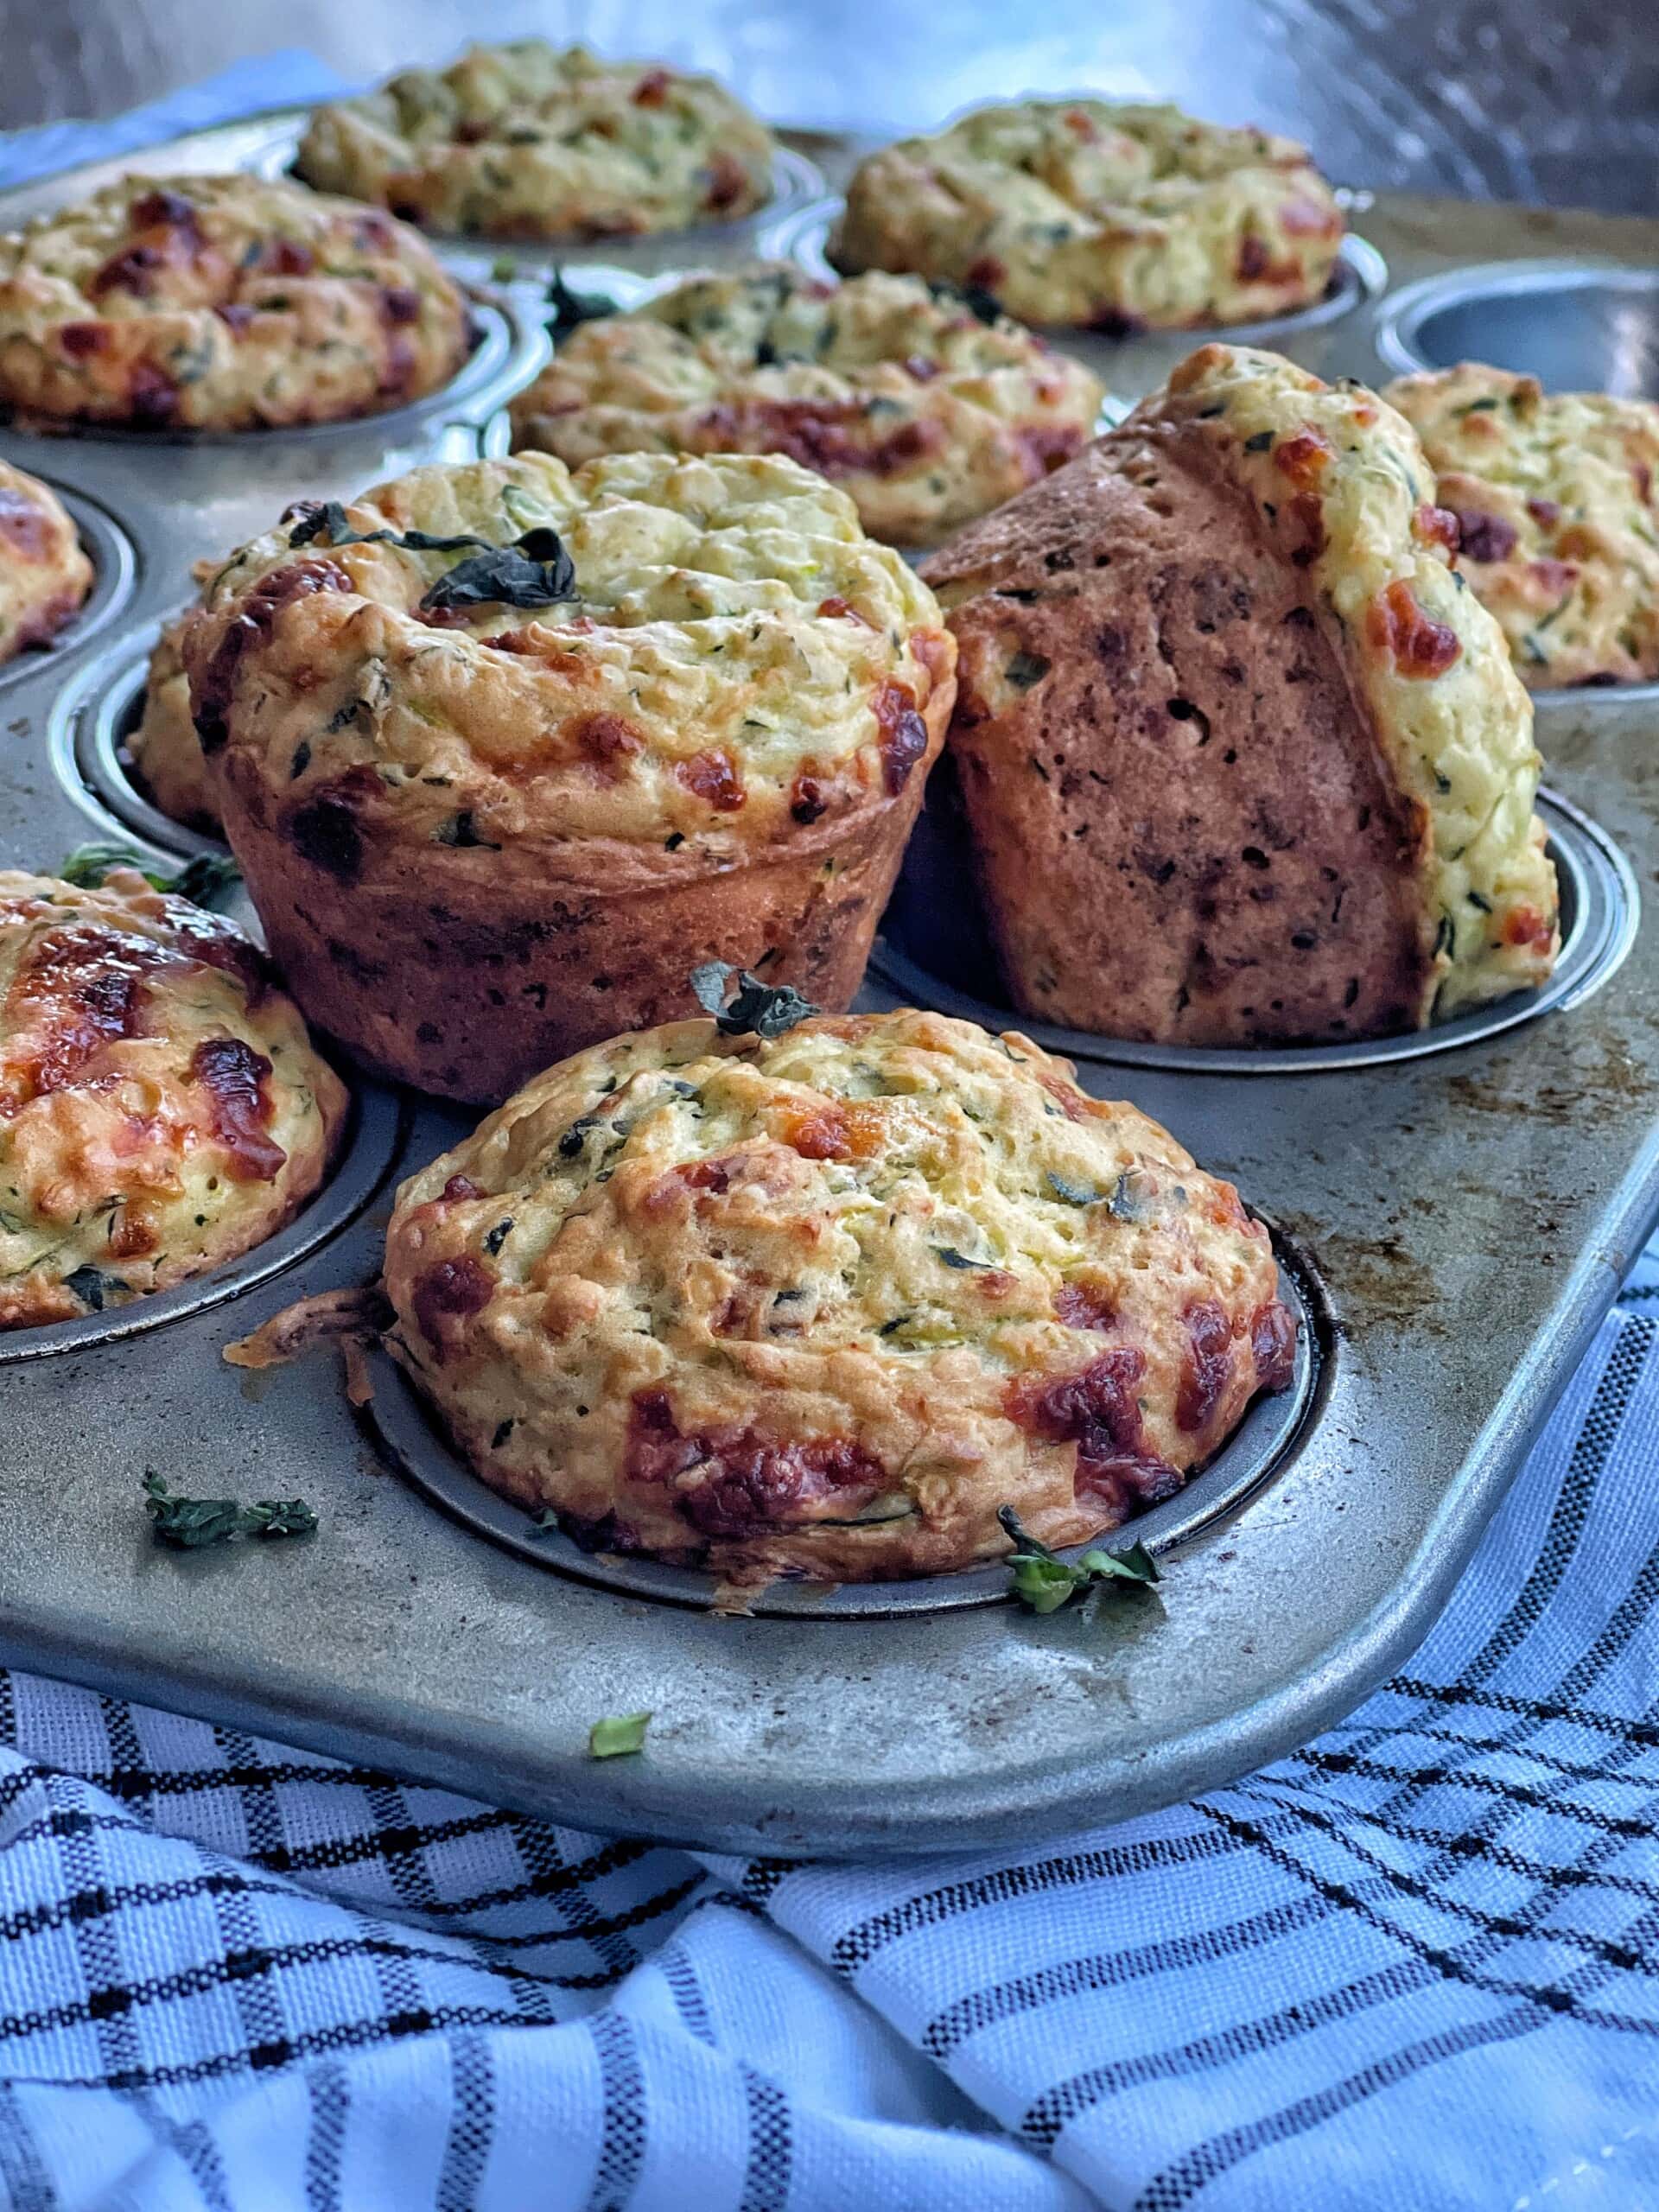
pixel 87 729
pixel 1270 1435
pixel 115 568
pixel 933 952
pixel 373 1143
pixel 1575 326
pixel 1361 274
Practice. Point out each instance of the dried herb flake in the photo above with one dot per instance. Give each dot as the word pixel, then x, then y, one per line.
pixel 1043 1581
pixel 755 1008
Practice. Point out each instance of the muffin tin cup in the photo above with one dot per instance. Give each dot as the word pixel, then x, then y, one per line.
pixel 115 569
pixel 1601 910
pixel 1263 1445
pixel 87 726
pixel 374 1141
pixel 1577 325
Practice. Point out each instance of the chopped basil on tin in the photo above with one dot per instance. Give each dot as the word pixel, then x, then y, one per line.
pixel 192 1523
pixel 1043 1581
pixel 618 1735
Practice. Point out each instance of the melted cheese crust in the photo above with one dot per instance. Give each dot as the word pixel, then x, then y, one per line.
pixel 1555 496
pixel 735 639
pixel 1340 481
pixel 226 303
pixel 527 141
pixel 1095 212
pixel 924 414
pixel 821 1305
pixel 162 1110
pixel 45 575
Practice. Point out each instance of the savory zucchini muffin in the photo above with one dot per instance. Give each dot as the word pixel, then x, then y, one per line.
pixel 528 141
pixel 926 412
pixel 820 1305
pixel 165 750
pixel 1243 759
pixel 45 575
pixel 504 750
pixel 221 303
pixel 1558 520
pixel 1120 217
pixel 162 1110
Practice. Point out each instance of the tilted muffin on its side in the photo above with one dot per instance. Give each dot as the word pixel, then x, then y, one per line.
pixel 1556 500
pixel 1119 217
pixel 221 303
pixel 819 1306
pixel 45 575
pixel 162 1110
pixel 504 751
pixel 924 412
pixel 530 141
pixel 1244 759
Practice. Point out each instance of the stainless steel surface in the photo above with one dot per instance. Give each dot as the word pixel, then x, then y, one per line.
pixel 1574 328
pixel 934 949
pixel 1259 1450
pixel 1473 97
pixel 1470 1212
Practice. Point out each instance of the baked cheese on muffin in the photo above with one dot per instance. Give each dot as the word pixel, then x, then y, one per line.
pixel 45 575
pixel 221 303
pixel 821 1305
pixel 162 1110
pixel 504 750
pixel 531 141
pixel 1244 759
pixel 1558 520
pixel 925 411
pixel 1117 216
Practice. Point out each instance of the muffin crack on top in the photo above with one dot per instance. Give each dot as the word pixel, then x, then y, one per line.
pixel 528 141
pixel 1557 520
pixel 222 304
pixel 1116 216
pixel 480 834
pixel 926 409
pixel 45 574
pixel 821 1304
pixel 162 1110
pixel 1226 700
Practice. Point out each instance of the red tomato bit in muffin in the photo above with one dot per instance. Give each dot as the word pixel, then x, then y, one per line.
pixel 233 1076
pixel 713 778
pixel 732 1482
pixel 1208 1367
pixel 1304 458
pixel 1099 1412
pixel 1420 646
pixel 1272 1340
pixel 23 526
pixel 1438 526
pixel 455 1289
pixel 1485 537
pixel 904 734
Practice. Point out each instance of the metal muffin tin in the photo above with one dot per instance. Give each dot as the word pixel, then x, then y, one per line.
pixel 1454 1223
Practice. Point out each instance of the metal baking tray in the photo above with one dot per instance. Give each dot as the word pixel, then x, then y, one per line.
pixel 1454 1223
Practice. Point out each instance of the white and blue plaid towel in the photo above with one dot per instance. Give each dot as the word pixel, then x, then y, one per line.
pixel 1414 1966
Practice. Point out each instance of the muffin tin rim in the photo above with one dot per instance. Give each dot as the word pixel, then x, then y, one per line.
pixel 1406 307
pixel 1596 947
